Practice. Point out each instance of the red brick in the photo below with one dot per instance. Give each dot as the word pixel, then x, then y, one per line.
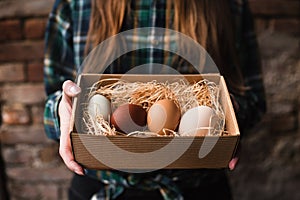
pixel 24 135
pixel 290 26
pixel 37 114
pixel 11 29
pixel 28 8
pixel 286 108
pixel 275 7
pixel 273 46
pixel 283 123
pixel 35 71
pixel 22 51
pixel 260 25
pixel 64 191
pixel 15 114
pixel 12 72
pixel 35 28
pixel 50 192
pixel 18 155
pixel 41 175
pixel 25 93
pixel 35 191
pixel 49 154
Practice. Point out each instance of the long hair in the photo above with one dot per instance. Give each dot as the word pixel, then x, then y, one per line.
pixel 209 22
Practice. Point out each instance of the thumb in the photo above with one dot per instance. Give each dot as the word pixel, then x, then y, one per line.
pixel 70 88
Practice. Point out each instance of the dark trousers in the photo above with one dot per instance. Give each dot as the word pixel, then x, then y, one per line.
pixel 83 188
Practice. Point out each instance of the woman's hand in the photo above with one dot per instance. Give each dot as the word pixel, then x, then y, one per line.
pixel 233 163
pixel 70 89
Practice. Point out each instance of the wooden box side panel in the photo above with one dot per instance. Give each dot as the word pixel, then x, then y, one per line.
pixel 230 118
pixel 87 156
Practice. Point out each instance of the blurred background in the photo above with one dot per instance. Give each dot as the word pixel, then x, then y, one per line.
pixel 270 158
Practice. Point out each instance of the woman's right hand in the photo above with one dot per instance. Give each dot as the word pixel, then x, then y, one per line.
pixel 70 90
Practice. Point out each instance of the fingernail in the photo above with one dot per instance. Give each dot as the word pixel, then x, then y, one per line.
pixel 231 166
pixel 233 163
pixel 78 171
pixel 75 89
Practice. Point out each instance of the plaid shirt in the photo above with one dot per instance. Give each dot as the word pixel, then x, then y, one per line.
pixel 65 38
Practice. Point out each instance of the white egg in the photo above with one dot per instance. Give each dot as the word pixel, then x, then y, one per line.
pixel 195 121
pixel 99 105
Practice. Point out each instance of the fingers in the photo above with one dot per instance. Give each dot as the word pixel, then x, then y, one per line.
pixel 233 163
pixel 70 89
pixel 68 158
pixel 65 151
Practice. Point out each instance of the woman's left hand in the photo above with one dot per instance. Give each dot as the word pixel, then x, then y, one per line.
pixel 233 162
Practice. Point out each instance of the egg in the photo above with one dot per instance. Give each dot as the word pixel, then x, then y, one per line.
pixel 195 121
pixel 99 105
pixel 128 118
pixel 163 114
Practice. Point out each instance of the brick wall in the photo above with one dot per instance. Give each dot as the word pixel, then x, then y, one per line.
pixel 270 155
pixel 34 169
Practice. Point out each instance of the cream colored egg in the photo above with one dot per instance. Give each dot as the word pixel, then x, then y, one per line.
pixel 164 114
pixel 99 105
pixel 195 121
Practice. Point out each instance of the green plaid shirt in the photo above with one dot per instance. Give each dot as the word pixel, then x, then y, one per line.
pixel 64 53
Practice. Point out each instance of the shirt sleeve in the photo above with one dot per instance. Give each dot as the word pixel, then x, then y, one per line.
pixel 251 106
pixel 58 63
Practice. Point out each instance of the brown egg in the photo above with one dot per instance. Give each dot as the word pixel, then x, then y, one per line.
pixel 163 114
pixel 128 118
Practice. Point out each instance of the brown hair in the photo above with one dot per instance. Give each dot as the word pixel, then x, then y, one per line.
pixel 209 22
